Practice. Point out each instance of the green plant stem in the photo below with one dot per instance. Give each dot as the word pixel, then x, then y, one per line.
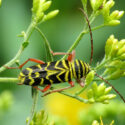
pixel 6 79
pixel 35 98
pixel 83 89
pixel 75 97
pixel 26 38
pixel 92 17
pixel 98 27
pixel 47 45
pixel 104 61
pixel 85 31
pixel 74 45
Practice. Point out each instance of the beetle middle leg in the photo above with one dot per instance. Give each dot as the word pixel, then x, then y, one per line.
pixel 81 83
pixel 71 56
pixel 45 89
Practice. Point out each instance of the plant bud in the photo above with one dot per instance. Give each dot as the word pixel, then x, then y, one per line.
pixel 121 43
pixel 121 51
pixel 107 90
pixel 122 57
pixel 115 75
pixel 121 13
pixel 39 16
pixel 101 98
pixel 96 4
pixel 116 63
pixel 95 88
pixel 108 46
pixel 90 77
pixel 46 5
pixel 106 102
pixel 111 96
pixel 114 14
pixel 35 6
pixel 109 4
pixel 50 15
pixel 91 100
pixel 95 122
pixel 113 23
pixel 101 89
pixel 90 93
pixel 114 51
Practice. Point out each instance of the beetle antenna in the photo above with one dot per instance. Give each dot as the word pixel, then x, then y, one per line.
pixel 90 34
pixel 111 86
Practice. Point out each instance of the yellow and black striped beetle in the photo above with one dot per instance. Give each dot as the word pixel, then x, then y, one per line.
pixel 54 72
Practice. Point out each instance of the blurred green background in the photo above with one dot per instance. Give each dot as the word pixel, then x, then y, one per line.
pixel 61 32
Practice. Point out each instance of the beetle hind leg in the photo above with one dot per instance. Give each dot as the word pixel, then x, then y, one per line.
pixel 59 90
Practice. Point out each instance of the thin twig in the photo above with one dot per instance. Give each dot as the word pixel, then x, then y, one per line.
pixel 16 57
pixel 86 16
pixel 111 86
pixel 47 45
pixel 35 97
pixel 6 79
pixel 75 97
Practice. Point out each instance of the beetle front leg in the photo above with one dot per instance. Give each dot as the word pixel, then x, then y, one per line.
pixel 31 60
pixel 28 60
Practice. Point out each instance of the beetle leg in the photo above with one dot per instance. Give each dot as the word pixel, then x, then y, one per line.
pixel 59 53
pixel 7 67
pixel 71 56
pixel 44 90
pixel 58 90
pixel 81 83
pixel 30 59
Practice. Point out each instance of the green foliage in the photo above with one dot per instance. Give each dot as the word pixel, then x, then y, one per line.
pixel 90 77
pixel 103 7
pixel 114 61
pixel 114 110
pixel 6 101
pixel 38 10
pixel 95 122
pixel 96 4
pixel 99 93
pixel 40 118
pixel 113 18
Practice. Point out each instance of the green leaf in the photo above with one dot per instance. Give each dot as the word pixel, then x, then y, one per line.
pixel 25 44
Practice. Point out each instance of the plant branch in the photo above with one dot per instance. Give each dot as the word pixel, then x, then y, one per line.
pixel 47 45
pixel 6 79
pixel 75 97
pixel 35 98
pixel 83 89
pixel 85 31
pixel 26 38
pixel 74 45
